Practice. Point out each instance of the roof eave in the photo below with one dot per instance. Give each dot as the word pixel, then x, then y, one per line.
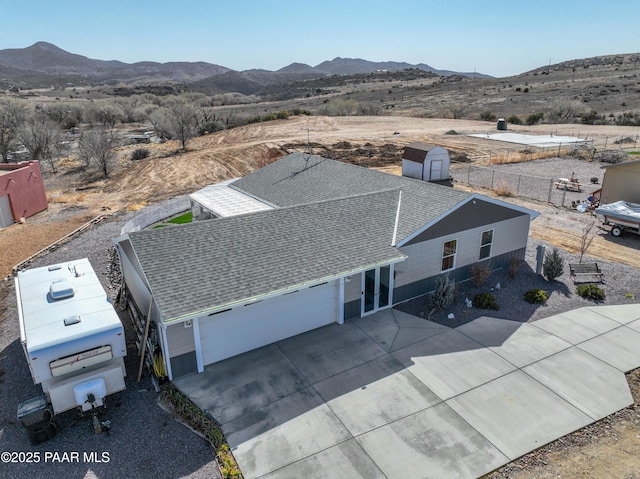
pixel 279 292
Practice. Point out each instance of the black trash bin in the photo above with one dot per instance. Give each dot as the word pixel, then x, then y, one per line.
pixel 36 417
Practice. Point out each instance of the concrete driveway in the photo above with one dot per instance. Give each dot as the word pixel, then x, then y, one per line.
pixel 395 396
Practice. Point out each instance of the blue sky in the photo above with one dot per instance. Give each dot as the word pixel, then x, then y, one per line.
pixel 498 38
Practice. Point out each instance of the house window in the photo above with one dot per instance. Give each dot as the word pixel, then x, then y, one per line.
pixel 449 249
pixel 486 241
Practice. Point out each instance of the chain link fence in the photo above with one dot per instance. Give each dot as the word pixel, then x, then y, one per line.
pixel 505 183
pixel 542 188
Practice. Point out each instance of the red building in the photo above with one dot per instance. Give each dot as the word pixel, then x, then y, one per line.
pixel 21 192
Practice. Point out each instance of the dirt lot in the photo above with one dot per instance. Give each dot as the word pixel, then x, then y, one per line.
pixel 75 198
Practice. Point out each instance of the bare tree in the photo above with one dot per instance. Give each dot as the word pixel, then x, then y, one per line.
pixel 42 138
pixel 458 110
pixel 182 121
pixel 159 118
pixel 109 114
pixel 341 107
pixel 586 238
pixel 98 146
pixel 55 148
pixel 12 117
pixel 132 108
pixel 562 111
pixel 56 112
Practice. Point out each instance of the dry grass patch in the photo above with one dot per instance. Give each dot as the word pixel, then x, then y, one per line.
pixel 504 158
pixel 137 206
pixel 502 189
pixel 68 198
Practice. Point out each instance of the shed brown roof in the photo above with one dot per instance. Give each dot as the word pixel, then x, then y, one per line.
pixel 417 151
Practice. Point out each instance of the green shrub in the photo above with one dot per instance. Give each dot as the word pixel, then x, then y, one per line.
pixel 210 126
pixel 488 116
pixel 445 293
pixel 300 111
pixel 590 291
pixel 534 118
pixel 553 265
pixel 535 296
pixel 514 120
pixel 139 154
pixel 485 301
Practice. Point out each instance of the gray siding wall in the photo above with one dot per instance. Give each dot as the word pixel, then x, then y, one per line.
pixel 352 309
pixel 184 364
pixel 621 184
pixel 180 340
pixel 425 258
pixel 133 278
pixel 427 285
pixel 352 289
pixel 352 295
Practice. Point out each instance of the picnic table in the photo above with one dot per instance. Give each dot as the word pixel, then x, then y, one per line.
pixel 581 270
pixel 570 184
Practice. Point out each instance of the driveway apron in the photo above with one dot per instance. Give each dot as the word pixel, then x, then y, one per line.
pixel 393 396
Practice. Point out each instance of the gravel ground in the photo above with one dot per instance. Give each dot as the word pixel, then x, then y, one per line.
pixel 144 440
pixel 621 284
pixel 536 178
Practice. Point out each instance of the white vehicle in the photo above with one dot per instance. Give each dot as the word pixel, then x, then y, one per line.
pixel 71 335
pixel 621 216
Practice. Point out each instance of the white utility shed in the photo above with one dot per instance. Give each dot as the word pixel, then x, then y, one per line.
pixel 424 161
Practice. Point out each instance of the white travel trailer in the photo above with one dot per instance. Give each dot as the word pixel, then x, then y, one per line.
pixel 71 335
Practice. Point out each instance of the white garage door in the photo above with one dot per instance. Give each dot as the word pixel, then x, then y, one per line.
pixel 245 328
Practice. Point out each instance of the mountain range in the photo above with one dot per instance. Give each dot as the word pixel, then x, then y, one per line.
pixel 43 64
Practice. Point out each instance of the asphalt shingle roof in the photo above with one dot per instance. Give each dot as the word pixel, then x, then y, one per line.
pixel 210 264
pixel 298 178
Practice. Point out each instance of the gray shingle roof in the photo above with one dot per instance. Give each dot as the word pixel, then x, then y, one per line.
pixel 206 265
pixel 297 179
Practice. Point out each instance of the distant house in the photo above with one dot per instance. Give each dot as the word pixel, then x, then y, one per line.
pixel 22 192
pixel 424 161
pixel 621 182
pixel 305 242
pixel 143 138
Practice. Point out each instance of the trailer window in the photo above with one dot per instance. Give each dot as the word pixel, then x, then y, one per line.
pixel 76 362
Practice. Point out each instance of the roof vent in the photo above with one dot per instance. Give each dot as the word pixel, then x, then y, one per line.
pixel 61 289
pixel 55 267
pixel 76 269
pixel 71 320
